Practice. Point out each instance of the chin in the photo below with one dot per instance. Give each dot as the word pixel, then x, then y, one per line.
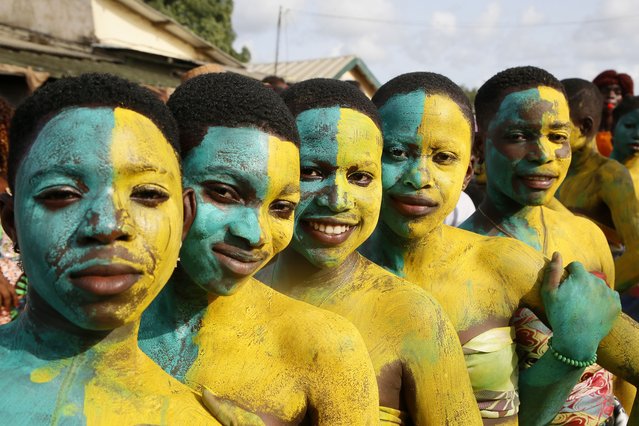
pixel 226 286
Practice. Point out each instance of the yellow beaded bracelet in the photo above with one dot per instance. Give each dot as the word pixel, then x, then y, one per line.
pixel 570 361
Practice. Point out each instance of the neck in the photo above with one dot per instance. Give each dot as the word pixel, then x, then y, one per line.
pixel 522 222
pixel 293 271
pixel 44 331
pixel 581 156
pixel 401 255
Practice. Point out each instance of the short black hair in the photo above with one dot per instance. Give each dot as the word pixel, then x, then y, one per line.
pixel 492 92
pixel 430 83
pixel 628 104
pixel 85 90
pixel 326 93
pixel 585 100
pixel 228 100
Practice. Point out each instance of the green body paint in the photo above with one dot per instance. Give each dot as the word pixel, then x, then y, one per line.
pixel 626 137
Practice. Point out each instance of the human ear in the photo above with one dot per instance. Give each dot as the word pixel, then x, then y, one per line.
pixel 190 207
pixel 470 171
pixel 7 216
pixel 586 125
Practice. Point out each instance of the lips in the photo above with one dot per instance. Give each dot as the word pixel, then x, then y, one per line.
pixel 634 146
pixel 538 181
pixel 414 205
pixel 328 231
pixel 239 262
pixel 105 280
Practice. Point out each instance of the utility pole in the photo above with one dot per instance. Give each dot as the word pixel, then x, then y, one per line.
pixel 277 42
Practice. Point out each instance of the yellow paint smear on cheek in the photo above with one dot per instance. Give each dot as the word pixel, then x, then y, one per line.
pixel 144 160
pixel 283 176
pixel 359 148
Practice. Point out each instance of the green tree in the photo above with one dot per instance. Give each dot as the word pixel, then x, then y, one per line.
pixel 210 19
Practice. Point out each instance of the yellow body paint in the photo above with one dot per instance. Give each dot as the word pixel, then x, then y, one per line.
pixel 279 358
pixel 76 360
pixel 413 347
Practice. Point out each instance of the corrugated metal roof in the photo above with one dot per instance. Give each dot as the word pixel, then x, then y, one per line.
pixel 295 71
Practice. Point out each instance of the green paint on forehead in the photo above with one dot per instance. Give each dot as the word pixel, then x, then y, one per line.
pixel 318 133
pixel 402 115
pixel 73 136
pixel 510 107
pixel 240 154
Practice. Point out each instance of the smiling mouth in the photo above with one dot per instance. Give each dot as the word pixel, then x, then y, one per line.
pixel 328 231
pixel 105 280
pixel 239 262
pixel 538 182
pixel 413 205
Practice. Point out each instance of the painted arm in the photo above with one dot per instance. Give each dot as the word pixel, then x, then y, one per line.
pixel 342 384
pixel 581 311
pixel 435 382
pixel 619 354
pixel 617 191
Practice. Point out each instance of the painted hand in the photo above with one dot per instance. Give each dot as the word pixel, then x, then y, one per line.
pixel 581 309
pixel 227 413
pixel 8 296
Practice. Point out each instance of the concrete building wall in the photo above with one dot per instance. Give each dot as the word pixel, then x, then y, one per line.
pixel 117 25
pixel 70 20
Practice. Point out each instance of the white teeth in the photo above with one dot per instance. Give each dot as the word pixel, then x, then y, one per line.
pixel 330 229
pixel 540 178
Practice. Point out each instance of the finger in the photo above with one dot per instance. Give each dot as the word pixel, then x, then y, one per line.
pixel 227 413
pixel 554 272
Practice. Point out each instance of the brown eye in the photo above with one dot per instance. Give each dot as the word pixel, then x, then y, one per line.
pixel 282 209
pixel 360 178
pixel 557 138
pixel 150 196
pixel 222 193
pixel 310 173
pixel 58 197
pixel 444 158
pixel 397 153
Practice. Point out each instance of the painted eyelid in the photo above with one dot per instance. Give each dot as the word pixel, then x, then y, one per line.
pixel 57 188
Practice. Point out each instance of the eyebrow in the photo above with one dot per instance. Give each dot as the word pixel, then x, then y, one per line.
pixel 134 169
pixel 290 189
pixel 558 125
pixel 58 169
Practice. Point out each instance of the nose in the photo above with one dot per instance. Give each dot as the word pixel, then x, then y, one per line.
pixel 105 222
pixel 246 225
pixel 418 176
pixel 336 195
pixel 540 151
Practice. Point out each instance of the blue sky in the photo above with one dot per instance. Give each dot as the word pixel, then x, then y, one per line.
pixel 468 41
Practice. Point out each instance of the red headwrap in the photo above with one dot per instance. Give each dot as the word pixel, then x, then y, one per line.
pixel 609 77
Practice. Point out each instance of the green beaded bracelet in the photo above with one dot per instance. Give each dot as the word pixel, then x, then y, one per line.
pixel 569 361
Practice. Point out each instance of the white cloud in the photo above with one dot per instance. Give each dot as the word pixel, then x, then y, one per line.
pixel 531 16
pixel 444 22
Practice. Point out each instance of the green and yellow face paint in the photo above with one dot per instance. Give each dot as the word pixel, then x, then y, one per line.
pixel 340 183
pixel 246 185
pixel 427 144
pixel 527 146
pixel 98 207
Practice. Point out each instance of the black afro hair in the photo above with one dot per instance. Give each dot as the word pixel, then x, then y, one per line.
pixel 490 95
pixel 585 100
pixel 430 83
pixel 326 93
pixel 85 90
pixel 629 104
pixel 228 100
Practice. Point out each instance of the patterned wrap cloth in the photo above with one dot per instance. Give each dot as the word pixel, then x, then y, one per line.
pixel 10 268
pixel 492 366
pixel 591 401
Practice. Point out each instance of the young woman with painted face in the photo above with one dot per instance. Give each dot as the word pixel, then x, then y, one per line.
pixel 626 136
pixel 215 325
pixel 480 281
pixel 524 129
pixel 414 348
pixel 97 213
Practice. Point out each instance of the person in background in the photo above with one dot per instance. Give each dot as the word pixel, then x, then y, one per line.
pixel 12 280
pixel 614 87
